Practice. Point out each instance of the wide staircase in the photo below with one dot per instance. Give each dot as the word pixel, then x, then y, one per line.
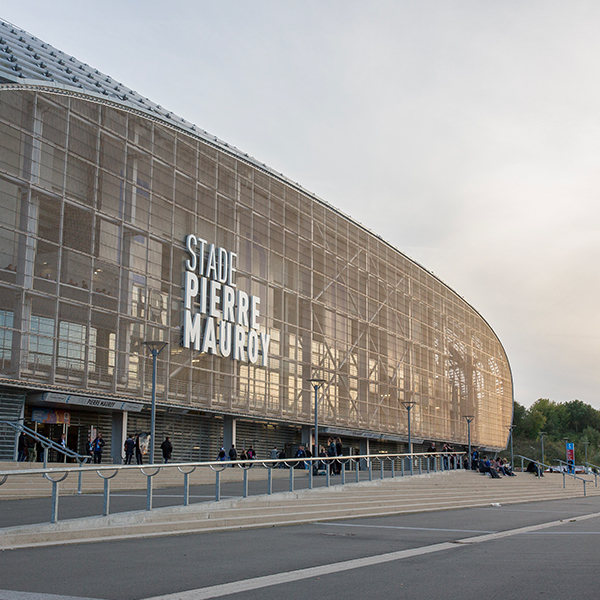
pixel 18 487
pixel 420 493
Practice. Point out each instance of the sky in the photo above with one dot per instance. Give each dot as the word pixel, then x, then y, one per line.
pixel 465 133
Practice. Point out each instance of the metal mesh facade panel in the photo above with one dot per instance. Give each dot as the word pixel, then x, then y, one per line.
pixel 96 202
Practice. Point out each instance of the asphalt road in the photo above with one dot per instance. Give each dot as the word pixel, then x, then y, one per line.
pixel 439 555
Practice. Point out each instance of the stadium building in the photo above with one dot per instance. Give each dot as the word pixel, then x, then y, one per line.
pixel 123 223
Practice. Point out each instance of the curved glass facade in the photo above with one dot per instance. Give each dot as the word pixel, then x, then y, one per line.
pixel 98 200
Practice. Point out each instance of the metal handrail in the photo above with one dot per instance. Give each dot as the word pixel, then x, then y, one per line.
pixel 47 443
pixel 107 472
pixel 539 462
pixel 595 472
pixel 564 462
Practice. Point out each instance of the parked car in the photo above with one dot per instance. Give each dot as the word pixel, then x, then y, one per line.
pixel 579 469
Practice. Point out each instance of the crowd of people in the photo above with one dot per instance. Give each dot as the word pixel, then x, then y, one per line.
pixel 328 455
pixel 494 467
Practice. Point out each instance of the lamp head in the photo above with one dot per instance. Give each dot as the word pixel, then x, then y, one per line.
pixel 316 382
pixel 155 346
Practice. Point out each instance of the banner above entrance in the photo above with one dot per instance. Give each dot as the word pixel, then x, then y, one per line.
pixel 49 416
pixel 88 401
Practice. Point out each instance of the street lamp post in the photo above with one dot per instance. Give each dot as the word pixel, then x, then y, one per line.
pixel 155 347
pixel 469 419
pixel 316 384
pixel 408 406
pixel 542 434
pixel 585 445
pixel 510 428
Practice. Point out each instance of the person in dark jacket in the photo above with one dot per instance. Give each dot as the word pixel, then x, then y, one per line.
pixel 22 448
pixel 138 450
pixel 167 450
pixel 129 447
pixel 339 449
pixel 232 453
pixel 98 447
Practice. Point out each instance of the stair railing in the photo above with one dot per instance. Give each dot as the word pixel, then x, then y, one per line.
pixel 47 443
pixel 594 472
pixel 108 472
pixel 539 464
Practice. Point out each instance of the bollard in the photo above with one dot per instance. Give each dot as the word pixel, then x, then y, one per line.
pixel 217 486
pixel 291 478
pixel 186 489
pixel 54 508
pixel 186 485
pixel 270 480
pixel 106 498
pixel 149 493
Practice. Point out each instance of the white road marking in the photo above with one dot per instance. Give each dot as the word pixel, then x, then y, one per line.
pixel 225 589
pixel 325 524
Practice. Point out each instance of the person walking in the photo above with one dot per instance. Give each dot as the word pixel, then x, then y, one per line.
pixel 89 449
pixel 129 448
pixel 22 448
pixel 300 453
pixel 232 453
pixel 98 446
pixel 251 454
pixel 138 450
pixel 167 449
pixel 31 452
pixel 63 445
pixel 331 451
pixel 339 449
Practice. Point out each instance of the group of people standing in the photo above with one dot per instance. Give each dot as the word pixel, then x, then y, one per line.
pixel 132 446
pixel 29 450
pixel 249 454
pixel 449 457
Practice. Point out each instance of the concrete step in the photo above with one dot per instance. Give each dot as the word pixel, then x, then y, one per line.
pixel 378 498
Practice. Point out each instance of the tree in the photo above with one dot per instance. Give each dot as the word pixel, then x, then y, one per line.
pixel 519 412
pixel 580 416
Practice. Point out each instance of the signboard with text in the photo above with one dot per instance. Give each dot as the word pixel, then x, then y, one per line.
pixel 219 318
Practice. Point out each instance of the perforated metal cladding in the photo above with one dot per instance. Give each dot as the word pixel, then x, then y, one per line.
pixel 98 220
